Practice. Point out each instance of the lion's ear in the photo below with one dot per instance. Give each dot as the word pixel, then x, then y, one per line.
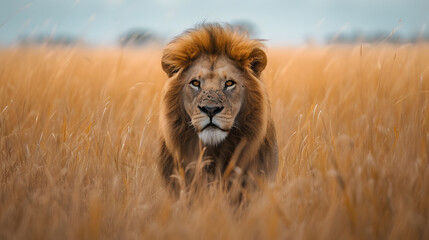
pixel 168 68
pixel 257 61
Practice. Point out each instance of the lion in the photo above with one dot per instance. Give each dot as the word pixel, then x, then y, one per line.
pixel 215 105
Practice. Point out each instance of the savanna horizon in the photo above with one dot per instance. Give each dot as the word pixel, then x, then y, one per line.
pixel 79 138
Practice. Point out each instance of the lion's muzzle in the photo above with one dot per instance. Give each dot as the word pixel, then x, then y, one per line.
pixel 210 104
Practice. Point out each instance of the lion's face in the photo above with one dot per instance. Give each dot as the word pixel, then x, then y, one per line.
pixel 213 95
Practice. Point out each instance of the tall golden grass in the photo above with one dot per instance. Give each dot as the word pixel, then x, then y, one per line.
pixel 78 140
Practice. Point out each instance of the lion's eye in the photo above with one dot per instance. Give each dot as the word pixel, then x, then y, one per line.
pixel 229 83
pixel 195 83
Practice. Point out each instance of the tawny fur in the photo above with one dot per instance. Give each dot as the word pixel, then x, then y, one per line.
pixel 254 126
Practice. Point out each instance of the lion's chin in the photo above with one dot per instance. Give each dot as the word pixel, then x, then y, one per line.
pixel 212 136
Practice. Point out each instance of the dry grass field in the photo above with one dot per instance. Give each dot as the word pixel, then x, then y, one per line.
pixel 78 141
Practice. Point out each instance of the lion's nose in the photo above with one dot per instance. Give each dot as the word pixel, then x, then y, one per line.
pixel 210 110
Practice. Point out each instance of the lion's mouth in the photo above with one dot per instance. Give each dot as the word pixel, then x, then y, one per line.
pixel 212 125
pixel 212 134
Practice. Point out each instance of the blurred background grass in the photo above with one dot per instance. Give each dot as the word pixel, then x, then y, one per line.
pixel 78 140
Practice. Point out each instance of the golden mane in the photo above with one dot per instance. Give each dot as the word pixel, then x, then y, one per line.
pixel 213 39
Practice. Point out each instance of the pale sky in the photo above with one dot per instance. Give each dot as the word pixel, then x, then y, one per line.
pixel 280 22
